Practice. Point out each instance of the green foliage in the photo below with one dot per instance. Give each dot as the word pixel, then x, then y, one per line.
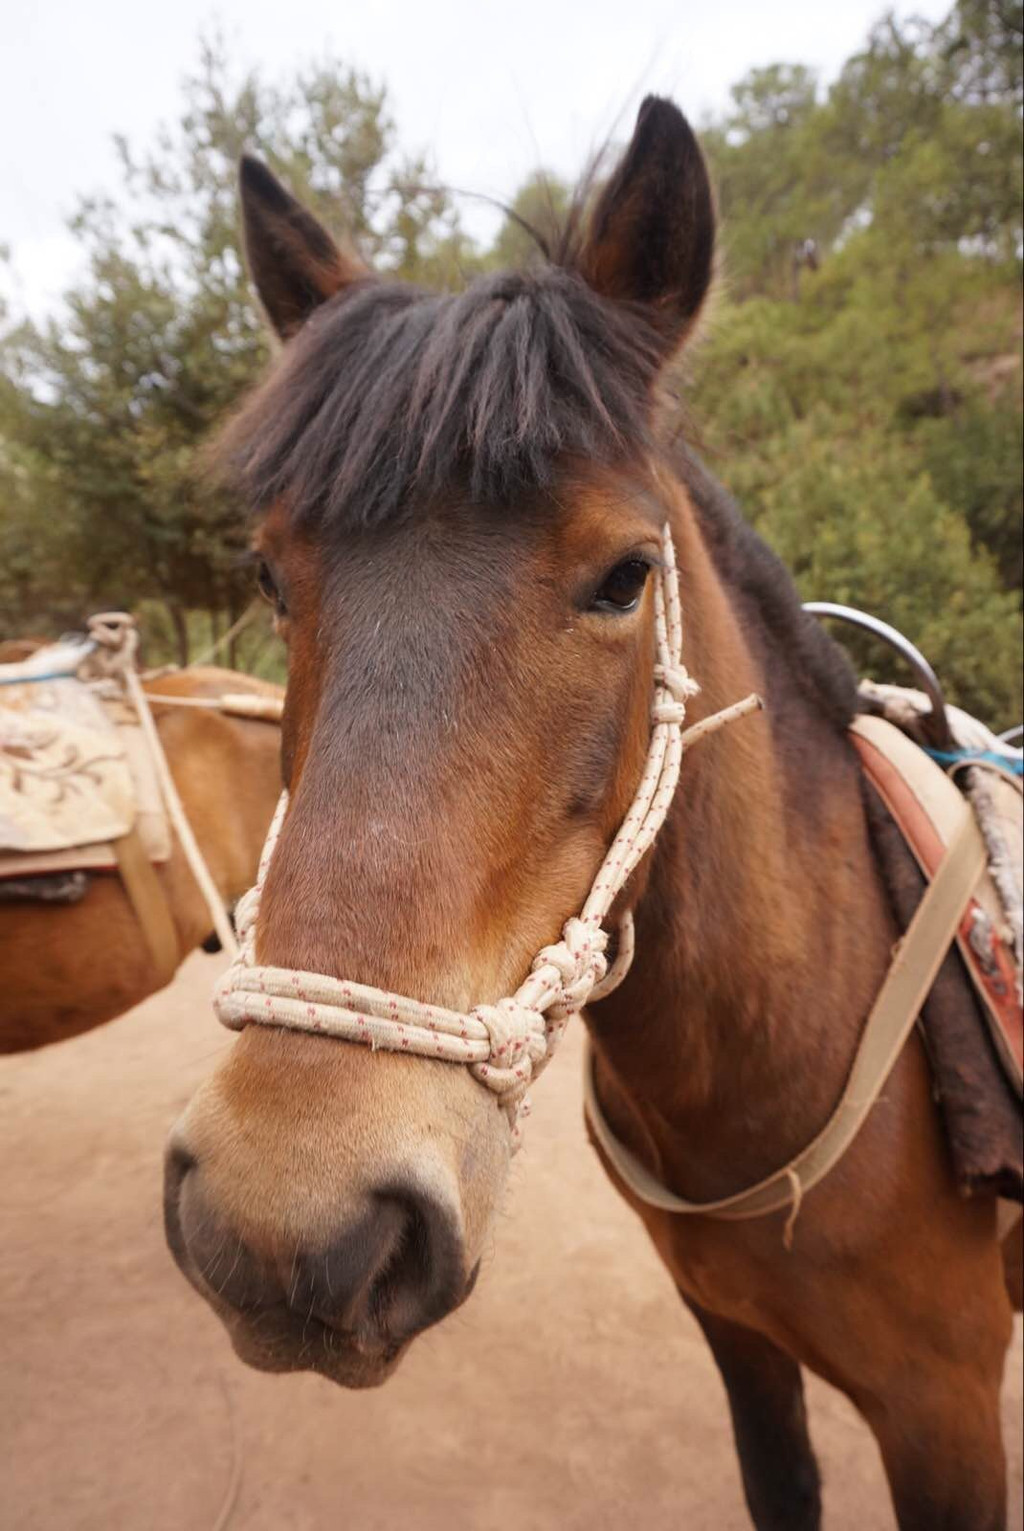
pixel 538 211
pixel 858 389
pixel 864 405
pixel 858 522
pixel 103 411
pixel 920 137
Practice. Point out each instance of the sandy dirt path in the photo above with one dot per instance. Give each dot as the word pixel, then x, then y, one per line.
pixel 572 1392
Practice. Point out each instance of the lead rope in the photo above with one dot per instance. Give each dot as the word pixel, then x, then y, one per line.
pixel 117 640
pixel 505 1044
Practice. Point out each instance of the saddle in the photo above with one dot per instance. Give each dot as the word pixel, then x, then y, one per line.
pixel 76 775
pixel 925 793
pixel 79 792
pixel 927 805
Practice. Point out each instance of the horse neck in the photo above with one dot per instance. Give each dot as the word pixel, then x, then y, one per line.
pixel 762 930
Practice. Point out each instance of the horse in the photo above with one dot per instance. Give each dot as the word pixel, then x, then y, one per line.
pixel 459 505
pixel 12 650
pixel 70 968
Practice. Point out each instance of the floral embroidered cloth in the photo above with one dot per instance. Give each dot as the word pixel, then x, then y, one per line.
pixel 64 774
pixel 75 770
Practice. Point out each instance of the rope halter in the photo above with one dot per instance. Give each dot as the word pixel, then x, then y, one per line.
pixel 505 1044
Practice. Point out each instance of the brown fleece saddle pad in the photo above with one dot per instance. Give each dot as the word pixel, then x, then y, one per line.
pixel 976 1050
pixel 928 805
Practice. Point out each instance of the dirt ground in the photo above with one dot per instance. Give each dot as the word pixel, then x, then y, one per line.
pixel 572 1392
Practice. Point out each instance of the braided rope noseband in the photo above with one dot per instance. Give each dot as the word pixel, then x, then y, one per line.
pixel 505 1044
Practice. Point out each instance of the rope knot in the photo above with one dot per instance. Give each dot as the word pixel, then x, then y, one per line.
pixel 515 1033
pixel 680 685
pixel 518 1048
pixel 116 638
pixel 579 961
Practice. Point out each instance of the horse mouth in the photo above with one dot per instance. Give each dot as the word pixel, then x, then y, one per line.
pixel 272 1334
pixel 272 1337
pixel 277 1340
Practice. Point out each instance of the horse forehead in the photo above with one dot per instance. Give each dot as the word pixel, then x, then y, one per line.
pixel 395 647
pixel 450 593
pixel 452 536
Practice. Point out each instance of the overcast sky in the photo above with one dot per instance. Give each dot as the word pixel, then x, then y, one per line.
pixel 491 91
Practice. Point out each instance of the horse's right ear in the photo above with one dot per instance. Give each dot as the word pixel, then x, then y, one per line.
pixel 294 263
pixel 651 239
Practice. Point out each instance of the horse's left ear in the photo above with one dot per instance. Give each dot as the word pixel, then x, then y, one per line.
pixel 651 239
pixel 294 263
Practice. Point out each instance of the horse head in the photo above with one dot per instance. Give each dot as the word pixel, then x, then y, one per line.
pixel 459 508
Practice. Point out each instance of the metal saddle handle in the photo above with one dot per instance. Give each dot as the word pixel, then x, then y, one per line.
pixel 934 723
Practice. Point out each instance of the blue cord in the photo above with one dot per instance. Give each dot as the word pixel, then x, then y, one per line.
pixel 32 680
pixel 1013 763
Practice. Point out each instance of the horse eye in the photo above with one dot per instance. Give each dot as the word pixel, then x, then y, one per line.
pixel 623 587
pixel 267 588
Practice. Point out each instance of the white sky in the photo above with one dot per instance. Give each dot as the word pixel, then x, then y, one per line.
pixel 490 90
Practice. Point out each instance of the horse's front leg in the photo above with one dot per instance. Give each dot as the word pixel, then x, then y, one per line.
pixel 941 1441
pixel 769 1420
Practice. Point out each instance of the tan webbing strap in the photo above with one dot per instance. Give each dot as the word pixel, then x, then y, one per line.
pixel 239 704
pixel 149 901
pixel 916 962
pixel 234 704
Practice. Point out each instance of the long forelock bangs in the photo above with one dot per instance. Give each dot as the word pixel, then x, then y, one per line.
pixel 390 396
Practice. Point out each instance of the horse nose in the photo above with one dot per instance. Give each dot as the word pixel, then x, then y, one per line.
pixel 372 1284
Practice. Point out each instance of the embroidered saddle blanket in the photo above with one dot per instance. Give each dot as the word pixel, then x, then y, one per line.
pixel 75 771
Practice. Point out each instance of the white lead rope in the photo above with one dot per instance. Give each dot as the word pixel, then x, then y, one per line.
pixel 505 1044
pixel 116 636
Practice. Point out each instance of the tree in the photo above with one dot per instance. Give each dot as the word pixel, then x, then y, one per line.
pixel 920 134
pixel 864 404
pixel 111 403
pixel 872 427
pixel 859 523
pixel 983 46
pixel 537 213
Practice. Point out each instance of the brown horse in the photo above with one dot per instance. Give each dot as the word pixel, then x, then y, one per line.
pixel 461 501
pixel 69 968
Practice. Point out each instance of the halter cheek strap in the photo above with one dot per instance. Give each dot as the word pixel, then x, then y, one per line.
pixel 506 1044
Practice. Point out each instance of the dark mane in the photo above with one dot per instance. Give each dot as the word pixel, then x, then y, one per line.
pixel 763 588
pixel 390 395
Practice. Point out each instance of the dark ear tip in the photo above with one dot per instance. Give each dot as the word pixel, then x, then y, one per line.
pixel 657 106
pixel 659 117
pixel 250 168
pixel 256 179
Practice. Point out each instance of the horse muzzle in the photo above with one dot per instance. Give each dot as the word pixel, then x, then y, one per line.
pixel 344 1302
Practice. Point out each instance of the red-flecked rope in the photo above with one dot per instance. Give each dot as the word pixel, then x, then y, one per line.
pixel 505 1044
pixel 117 640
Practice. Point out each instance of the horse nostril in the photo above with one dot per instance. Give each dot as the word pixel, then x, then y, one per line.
pixel 410 1254
pixel 404 1291
pixel 178 1162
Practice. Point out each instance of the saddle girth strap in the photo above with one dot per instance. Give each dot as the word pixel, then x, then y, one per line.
pixel 917 960
pixel 146 895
